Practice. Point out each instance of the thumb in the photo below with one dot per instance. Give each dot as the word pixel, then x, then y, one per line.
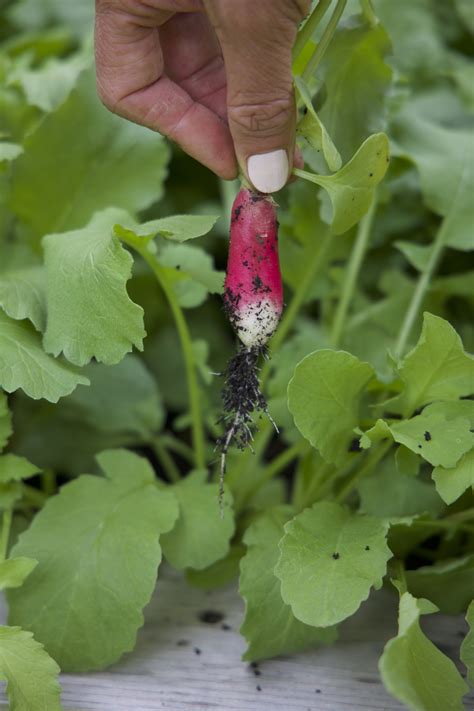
pixel 256 40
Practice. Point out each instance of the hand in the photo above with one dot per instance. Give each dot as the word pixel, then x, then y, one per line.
pixel 212 75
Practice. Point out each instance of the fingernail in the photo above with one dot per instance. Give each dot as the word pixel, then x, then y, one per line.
pixel 268 172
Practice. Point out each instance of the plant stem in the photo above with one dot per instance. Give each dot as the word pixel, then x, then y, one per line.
pixel 166 461
pixel 34 496
pixel 306 32
pixel 368 12
pixel 277 465
pixel 5 537
pixel 140 246
pixel 352 273
pixel 446 524
pixel 375 456
pixel 325 40
pixel 421 289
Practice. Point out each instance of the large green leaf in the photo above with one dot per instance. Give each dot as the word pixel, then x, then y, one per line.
pixel 440 441
pixel 200 535
pixel 437 368
pixel 351 189
pixel 324 398
pixel 356 80
pixel 90 314
pixel 31 675
pixel 25 365
pixel 82 159
pixel 23 295
pixel 98 552
pixel 270 627
pixel 414 670
pixel 330 559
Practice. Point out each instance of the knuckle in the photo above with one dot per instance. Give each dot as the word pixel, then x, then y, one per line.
pixel 267 119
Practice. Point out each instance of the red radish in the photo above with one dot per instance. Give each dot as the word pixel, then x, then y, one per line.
pixel 253 293
pixel 253 301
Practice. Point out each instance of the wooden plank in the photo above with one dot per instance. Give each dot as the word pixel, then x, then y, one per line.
pixel 182 663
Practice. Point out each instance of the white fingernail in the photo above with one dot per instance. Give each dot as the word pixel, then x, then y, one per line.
pixel 268 172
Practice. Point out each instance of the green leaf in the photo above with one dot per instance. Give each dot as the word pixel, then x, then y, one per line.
pixel 98 552
pixel 437 684
pixel 200 536
pixel 25 365
pixel 311 128
pixel 14 571
pixel 31 675
pixel 330 559
pixel 356 79
pixel 437 368
pixel 5 421
pixel 324 398
pixel 351 189
pixel 465 11
pixel 49 85
pixel 447 583
pixel 14 468
pixel 90 314
pixel 191 272
pixel 408 463
pixel 388 494
pixel 30 15
pixel 270 627
pixel 9 151
pixel 109 162
pixel 467 647
pixel 23 295
pixel 123 398
pixel 452 483
pixel 440 441
pixel 445 160
pixel 177 228
pixel 10 493
pixel 417 254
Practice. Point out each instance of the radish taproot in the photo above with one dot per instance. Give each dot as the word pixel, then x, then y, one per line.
pixel 253 303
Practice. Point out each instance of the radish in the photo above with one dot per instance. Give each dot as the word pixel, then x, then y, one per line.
pixel 253 302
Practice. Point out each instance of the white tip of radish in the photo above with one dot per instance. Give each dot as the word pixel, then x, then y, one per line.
pixel 256 322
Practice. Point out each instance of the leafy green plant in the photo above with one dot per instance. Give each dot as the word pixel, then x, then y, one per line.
pixel 107 459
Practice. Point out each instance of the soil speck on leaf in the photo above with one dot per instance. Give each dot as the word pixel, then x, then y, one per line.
pixel 427 436
pixel 336 556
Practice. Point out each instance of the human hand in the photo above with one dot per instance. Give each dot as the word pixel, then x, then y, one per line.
pixel 212 75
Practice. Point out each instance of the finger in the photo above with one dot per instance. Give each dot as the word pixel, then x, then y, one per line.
pixel 256 41
pixel 193 59
pixel 132 83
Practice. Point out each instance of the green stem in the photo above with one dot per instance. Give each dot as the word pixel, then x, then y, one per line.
pixel 375 456
pixel 307 31
pixel 140 246
pixel 5 537
pixel 352 273
pixel 166 461
pixel 325 40
pixel 368 12
pixel 36 497
pixel 465 515
pixel 318 483
pixel 277 465
pixel 421 289
pixel 48 482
